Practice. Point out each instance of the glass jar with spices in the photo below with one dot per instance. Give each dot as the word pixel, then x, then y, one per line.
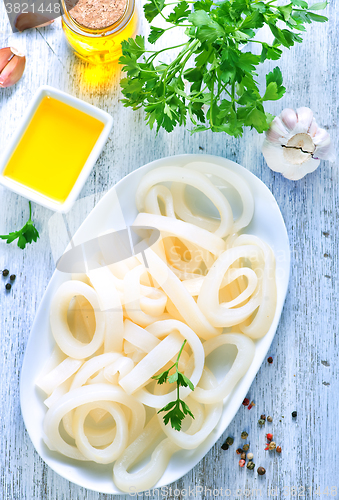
pixel 96 28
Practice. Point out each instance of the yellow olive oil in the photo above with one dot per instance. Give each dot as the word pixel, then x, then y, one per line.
pixel 53 149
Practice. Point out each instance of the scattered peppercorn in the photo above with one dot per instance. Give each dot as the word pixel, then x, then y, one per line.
pixel 5 272
pixel 263 417
pixel 244 435
pixel 270 360
pixel 261 471
pixel 269 437
pixel 249 456
pixel 267 445
pixel 252 403
pixel 242 463
pixel 246 447
pixel 229 441
pixel 8 286
pixel 272 446
pixel 243 455
pixel 261 422
pixel 224 446
pixel 278 450
pixel 269 419
pixel 12 277
pixel 250 465
pixel 239 451
pixel 294 414
pixel 246 402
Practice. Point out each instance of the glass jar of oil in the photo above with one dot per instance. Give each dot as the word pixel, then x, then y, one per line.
pixel 99 45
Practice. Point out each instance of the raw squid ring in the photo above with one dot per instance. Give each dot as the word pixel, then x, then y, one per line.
pixel 58 319
pixel 208 299
pixel 192 178
pixel 149 475
pixel 226 174
pixel 83 395
pixel 241 364
pixel 113 450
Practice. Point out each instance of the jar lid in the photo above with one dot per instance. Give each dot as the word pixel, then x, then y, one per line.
pixel 96 14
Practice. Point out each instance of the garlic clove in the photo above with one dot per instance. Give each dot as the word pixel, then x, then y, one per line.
pixel 305 117
pixel 276 131
pixel 313 128
pixel 324 147
pixel 12 66
pixel 289 118
pixel 5 56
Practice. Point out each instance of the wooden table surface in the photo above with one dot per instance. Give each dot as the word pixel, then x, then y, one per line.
pixel 304 374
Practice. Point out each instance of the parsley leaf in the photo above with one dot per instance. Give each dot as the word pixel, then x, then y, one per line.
pixel 175 411
pixel 221 91
pixel 26 234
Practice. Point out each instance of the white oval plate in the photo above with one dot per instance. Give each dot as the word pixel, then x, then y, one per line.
pixel 267 223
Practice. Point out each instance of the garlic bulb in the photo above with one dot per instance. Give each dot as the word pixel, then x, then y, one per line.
pixel 12 65
pixel 294 144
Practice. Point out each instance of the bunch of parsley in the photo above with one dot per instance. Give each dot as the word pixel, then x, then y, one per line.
pixel 222 93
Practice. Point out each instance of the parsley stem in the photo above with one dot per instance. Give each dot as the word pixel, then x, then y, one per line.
pixel 30 211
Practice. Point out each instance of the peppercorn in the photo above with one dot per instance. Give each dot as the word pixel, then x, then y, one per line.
pixel 261 471
pixel 278 449
pixel 263 417
pixel 261 422
pixel 229 441
pixel 250 465
pixel 246 447
pixel 270 360
pixel 252 403
pixel 224 446
pixel 239 451
pixel 243 456
pixel 272 446
pixel 269 419
pixel 242 463
pixel 12 277
pixel 269 437
pixel 249 456
pixel 244 435
pixel 8 286
pixel 5 272
pixel 246 402
pixel 294 414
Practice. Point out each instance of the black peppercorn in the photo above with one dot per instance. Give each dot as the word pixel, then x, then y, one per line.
pixel 261 471
pixel 250 465
pixel 294 414
pixel 246 447
pixel 239 451
pixel 229 441
pixel 243 456
pixel 270 360
pixel 263 417
pixel 5 272
pixel 8 286
pixel 244 435
pixel 12 277
pixel 225 446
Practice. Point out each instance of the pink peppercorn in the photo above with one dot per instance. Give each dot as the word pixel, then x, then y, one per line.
pixel 242 463
pixel 269 437
pixel 246 402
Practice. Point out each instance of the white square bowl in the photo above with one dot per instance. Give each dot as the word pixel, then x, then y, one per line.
pixel 76 103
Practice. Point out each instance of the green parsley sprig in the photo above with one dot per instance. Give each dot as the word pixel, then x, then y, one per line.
pixel 222 93
pixel 26 234
pixel 178 409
